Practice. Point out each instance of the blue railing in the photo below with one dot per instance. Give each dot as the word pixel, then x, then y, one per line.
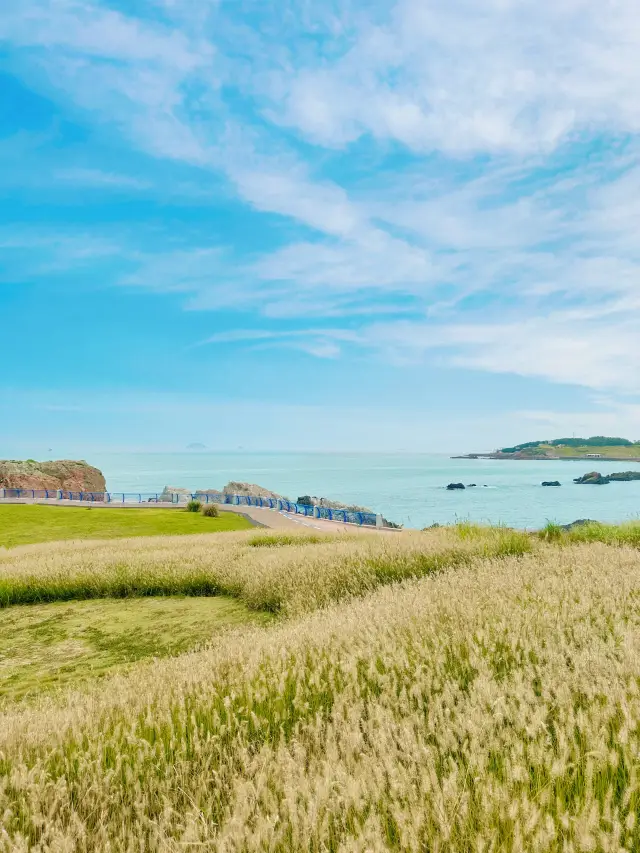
pixel 278 504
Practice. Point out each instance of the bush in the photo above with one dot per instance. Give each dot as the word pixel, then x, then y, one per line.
pixel 210 510
pixel 193 506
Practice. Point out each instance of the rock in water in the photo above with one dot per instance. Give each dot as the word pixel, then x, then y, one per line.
pixel 551 483
pixel 624 476
pixel 593 478
pixel 453 486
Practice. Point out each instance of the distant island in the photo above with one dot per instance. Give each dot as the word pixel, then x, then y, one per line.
pixel 596 447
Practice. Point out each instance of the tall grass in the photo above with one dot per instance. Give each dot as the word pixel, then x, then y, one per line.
pixel 610 534
pixel 287 574
pixel 494 708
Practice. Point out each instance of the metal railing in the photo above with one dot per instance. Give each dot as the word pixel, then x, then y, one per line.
pixel 369 519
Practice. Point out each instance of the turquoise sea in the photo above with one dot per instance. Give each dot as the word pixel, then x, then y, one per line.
pixel 407 488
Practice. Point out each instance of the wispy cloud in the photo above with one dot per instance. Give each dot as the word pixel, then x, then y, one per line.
pixel 464 77
pixel 450 181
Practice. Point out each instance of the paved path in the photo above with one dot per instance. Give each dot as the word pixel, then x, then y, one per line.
pixel 261 516
pixel 281 520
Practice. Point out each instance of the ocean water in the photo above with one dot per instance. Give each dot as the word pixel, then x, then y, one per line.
pixel 406 488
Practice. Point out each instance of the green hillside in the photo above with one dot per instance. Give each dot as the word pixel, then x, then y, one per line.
pixel 602 444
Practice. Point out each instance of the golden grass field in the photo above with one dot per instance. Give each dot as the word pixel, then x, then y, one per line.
pixel 454 690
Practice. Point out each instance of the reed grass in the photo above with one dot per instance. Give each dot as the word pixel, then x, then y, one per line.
pixel 491 708
pixel 289 574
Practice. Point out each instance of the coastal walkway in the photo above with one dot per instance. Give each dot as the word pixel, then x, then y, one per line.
pixel 272 519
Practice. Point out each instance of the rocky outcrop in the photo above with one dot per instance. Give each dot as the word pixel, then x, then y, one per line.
pixel 312 500
pixel 453 486
pixel 595 478
pixel 551 483
pixel 580 522
pixel 68 475
pixel 169 495
pixel 252 490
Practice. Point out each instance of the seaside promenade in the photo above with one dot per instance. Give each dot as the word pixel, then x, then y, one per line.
pixel 272 519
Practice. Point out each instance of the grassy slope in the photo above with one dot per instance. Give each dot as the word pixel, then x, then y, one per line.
pixel 61 644
pixel 606 452
pixel 290 578
pixel 491 708
pixel 24 524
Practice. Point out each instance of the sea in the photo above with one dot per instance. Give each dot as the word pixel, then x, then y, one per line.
pixel 409 489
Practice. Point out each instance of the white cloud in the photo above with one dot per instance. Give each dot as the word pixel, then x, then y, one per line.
pixel 558 347
pixel 521 261
pixel 502 75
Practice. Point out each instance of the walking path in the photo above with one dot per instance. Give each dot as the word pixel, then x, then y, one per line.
pixel 281 520
pixel 260 516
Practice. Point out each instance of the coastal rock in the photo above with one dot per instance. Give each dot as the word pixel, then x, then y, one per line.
pixel 616 477
pixel 580 522
pixel 593 478
pixel 313 500
pixel 551 483
pixel 472 485
pixel 69 475
pixel 235 487
pixel 624 476
pixel 452 486
pixel 169 495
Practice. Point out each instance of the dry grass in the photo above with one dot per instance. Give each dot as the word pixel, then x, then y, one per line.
pixel 289 574
pixel 492 708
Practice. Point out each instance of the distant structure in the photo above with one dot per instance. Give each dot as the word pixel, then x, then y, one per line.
pixel 196 446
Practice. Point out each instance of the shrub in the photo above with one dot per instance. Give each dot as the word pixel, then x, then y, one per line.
pixel 210 510
pixel 194 506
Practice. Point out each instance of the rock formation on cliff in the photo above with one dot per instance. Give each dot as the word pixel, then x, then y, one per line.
pixel 67 474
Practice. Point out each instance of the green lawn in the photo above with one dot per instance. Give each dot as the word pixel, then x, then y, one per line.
pixel 63 644
pixel 22 524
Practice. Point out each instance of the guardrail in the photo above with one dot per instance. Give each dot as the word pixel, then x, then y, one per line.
pixel 368 519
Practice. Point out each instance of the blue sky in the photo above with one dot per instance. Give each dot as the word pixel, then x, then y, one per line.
pixel 318 225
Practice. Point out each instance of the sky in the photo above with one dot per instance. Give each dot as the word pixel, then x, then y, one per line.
pixel 318 225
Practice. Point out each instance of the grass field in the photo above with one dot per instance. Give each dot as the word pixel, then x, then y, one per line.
pixel 23 524
pixel 62 644
pixel 456 690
